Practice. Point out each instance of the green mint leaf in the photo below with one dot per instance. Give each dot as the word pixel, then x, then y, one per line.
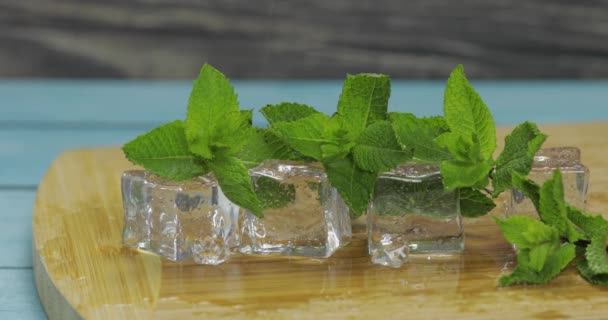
pixel 231 136
pixel 528 188
pixel 274 194
pixel 596 253
pixel 264 145
pixel 246 117
pixel 590 225
pixel 458 174
pixel 340 138
pixel 553 209
pixel 526 232
pixel 462 148
pixel 213 116
pixel 233 178
pixel 332 151
pixel 473 203
pixel 364 100
pixel 354 185
pixel 286 112
pixel 466 114
pixel 589 275
pixel 417 135
pixel 305 135
pixel 554 264
pixel 164 151
pixel 518 155
pixel 377 148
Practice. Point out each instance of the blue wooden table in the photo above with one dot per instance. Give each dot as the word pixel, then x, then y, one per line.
pixel 39 119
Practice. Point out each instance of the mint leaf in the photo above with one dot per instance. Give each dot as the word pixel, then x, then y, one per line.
pixel 589 275
pixel 364 100
pixel 518 155
pixel 597 258
pixel 417 136
pixel 377 148
pixel 233 132
pixel 555 262
pixel 340 138
pixel 553 207
pixel 286 112
pixel 354 185
pixel 467 115
pixel 526 232
pixel 590 225
pixel 264 145
pixel 213 114
pixel 233 178
pixel 528 188
pixel 274 194
pixel 305 135
pixel 458 173
pixel 473 203
pixel 246 117
pixel 164 151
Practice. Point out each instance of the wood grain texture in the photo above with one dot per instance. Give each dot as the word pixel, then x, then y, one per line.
pixel 83 271
pixel 303 39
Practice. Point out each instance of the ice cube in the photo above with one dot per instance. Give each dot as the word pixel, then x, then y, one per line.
pixel 179 220
pixel 303 216
pixel 411 213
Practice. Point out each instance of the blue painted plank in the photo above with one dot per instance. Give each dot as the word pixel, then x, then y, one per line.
pixel 16 228
pixel 26 154
pixel 154 102
pixel 18 295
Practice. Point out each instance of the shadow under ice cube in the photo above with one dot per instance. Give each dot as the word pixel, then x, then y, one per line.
pixel 303 215
pixel 179 220
pixel 411 213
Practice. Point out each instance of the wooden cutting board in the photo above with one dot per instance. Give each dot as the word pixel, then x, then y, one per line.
pixel 82 271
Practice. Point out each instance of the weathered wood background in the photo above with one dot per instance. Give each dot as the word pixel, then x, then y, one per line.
pixel 303 38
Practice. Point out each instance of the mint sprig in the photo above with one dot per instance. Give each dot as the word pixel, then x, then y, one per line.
pixel 547 246
pixel 212 139
pixel 472 135
pixel 354 144
pixel 214 119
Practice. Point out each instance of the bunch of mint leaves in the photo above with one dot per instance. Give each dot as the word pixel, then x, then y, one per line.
pixel 362 139
pixel 548 245
pixel 357 143
pixel 463 141
pixel 215 137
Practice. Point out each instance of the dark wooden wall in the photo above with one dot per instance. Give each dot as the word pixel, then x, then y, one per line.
pixel 303 38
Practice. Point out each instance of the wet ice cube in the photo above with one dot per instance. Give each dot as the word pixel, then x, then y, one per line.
pixel 179 220
pixel 303 215
pixel 411 213
pixel 575 177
